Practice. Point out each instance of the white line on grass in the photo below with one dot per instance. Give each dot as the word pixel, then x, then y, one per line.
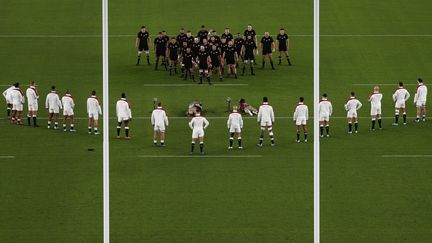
pixel 407 156
pixel 7 157
pixel 188 85
pixel 383 84
pixel 226 117
pixel 200 156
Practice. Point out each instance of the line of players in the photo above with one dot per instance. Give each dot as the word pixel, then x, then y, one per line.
pixel 400 97
pixel 209 52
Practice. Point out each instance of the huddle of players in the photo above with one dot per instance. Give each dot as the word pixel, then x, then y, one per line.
pixel 210 52
pixel 15 100
pixel 400 97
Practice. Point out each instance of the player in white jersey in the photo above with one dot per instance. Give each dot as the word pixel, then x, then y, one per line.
pixel 400 96
pixel 124 115
pixel 8 102
pixel 420 100
pixel 32 100
pixel 325 110
pixel 352 105
pixel 93 111
pixel 16 97
pixel 375 100
pixel 198 124
pixel 301 115
pixel 159 121
pixel 53 106
pixel 68 111
pixel 266 120
pixel 235 125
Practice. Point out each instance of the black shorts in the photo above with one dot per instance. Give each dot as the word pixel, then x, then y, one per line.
pixel 173 57
pixel 230 61
pixel 215 65
pixel 249 56
pixel 160 53
pixel 266 51
pixel 143 47
pixel 238 52
pixel 203 66
pixel 283 48
pixel 188 65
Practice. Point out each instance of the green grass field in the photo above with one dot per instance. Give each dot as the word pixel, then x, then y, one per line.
pixel 365 196
pixel 258 199
pixel 51 191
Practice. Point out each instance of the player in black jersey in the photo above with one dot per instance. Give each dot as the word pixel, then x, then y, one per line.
pixel 204 62
pixel 182 51
pixel 206 45
pixel 142 43
pixel 217 39
pixel 223 46
pixel 250 31
pixel 181 37
pixel 238 43
pixel 248 50
pixel 282 44
pixel 187 62
pixel 215 56
pixel 267 48
pixel 173 52
pixel 160 49
pixel 189 38
pixel 230 56
pixel 227 35
pixel 202 34
pixel 195 47
pixel 166 37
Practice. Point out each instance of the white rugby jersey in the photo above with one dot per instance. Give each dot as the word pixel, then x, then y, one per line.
pixel 199 123
pixel 32 95
pixel 301 111
pixel 235 120
pixel 123 108
pixel 159 117
pixel 401 94
pixel 325 107
pixel 16 97
pixel 93 105
pixel 53 101
pixel 68 102
pixel 421 93
pixel 353 104
pixel 375 99
pixel 7 91
pixel 265 113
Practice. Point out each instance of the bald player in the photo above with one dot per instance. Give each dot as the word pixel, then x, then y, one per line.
pixel 375 99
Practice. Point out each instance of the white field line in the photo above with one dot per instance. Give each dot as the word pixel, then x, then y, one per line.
pixel 7 157
pixel 293 35
pixel 188 85
pixel 226 117
pixel 200 156
pixel 407 156
pixel 373 84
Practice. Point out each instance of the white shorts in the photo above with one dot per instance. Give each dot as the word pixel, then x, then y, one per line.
pixel 17 107
pixel 159 128
pixel 94 115
pixel 266 124
pixel 54 110
pixel 68 112
pixel 400 104
pixel 301 121
pixel 352 114
pixel 375 110
pixel 33 107
pixel 197 133
pixel 236 129
pixel 324 117
pixel 421 103
pixel 8 102
pixel 122 119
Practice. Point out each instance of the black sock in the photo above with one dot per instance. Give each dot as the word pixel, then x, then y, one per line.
pixel 34 121
pixel 239 142
pixel 271 63
pixel 396 118
pixel 139 59
pixel 404 117
pixel 8 112
pixel 231 140
pixel 261 139
pixel 288 59
pixel 201 147
pixel 280 59
pixel 263 64
pixel 170 69
pixel 272 139
pixel 321 130
pixel 252 70
pixel 192 147
pixel 349 127
pixel 89 129
pixel 118 131
pixel 373 124
pixel 127 131
pixel 327 129
pixel 305 136
pixel 148 59
pixel 157 63
pixel 380 123
pixel 356 126
pixel 298 136
pixel 244 69
pixel 201 78
pixel 28 120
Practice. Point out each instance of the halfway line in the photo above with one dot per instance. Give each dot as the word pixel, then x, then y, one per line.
pixel 200 156
pixel 187 85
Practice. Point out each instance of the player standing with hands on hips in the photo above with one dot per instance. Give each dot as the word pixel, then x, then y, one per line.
pixel 124 115
pixel 266 120
pixel 198 124
pixel 159 120
pixel 420 100
pixel 301 115
pixel 352 105
pixel 235 124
